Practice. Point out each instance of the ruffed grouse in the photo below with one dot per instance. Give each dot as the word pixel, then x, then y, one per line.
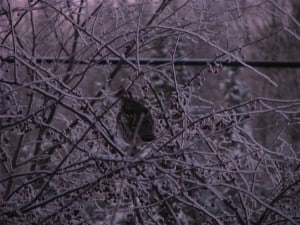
pixel 135 119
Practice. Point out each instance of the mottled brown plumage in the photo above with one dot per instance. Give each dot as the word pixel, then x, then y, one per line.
pixel 134 115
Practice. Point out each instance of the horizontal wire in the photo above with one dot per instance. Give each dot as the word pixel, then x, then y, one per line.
pixel 161 61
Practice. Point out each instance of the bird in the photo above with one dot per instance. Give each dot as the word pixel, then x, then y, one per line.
pixel 135 119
